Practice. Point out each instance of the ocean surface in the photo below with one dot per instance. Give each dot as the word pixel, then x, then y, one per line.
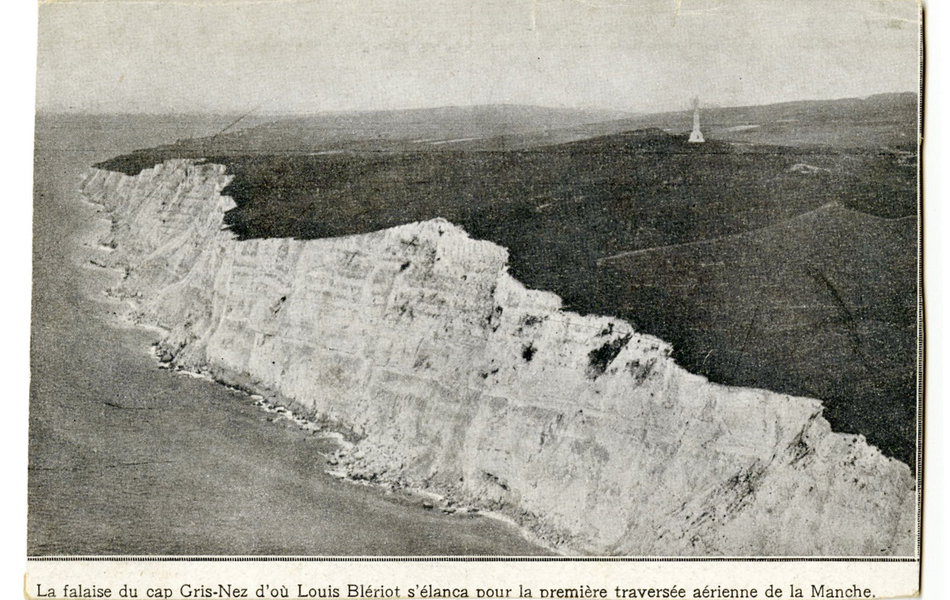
pixel 129 459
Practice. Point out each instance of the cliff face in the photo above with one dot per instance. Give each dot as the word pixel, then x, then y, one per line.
pixel 459 380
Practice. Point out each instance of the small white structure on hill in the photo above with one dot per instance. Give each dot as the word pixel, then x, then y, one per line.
pixel 696 137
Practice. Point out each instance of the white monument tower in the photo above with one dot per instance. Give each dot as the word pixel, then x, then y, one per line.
pixel 696 137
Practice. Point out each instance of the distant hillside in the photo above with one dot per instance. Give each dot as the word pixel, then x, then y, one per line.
pixel 790 266
pixel 887 120
pixel 109 133
pixel 430 129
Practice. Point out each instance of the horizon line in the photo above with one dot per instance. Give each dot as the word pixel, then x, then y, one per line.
pixel 310 113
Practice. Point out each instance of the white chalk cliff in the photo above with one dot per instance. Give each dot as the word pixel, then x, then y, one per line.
pixel 459 380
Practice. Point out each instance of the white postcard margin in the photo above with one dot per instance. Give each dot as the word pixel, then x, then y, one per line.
pixel 460 578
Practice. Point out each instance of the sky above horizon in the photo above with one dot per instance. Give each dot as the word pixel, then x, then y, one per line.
pixel 275 56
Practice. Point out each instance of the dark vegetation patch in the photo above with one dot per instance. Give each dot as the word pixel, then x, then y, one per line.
pixel 528 352
pixel 601 357
pixel 532 320
pixel 758 272
pixel 485 374
pixel 493 319
pixel 496 480
pixel 640 371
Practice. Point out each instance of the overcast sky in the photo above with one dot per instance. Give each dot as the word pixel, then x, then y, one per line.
pixel 330 55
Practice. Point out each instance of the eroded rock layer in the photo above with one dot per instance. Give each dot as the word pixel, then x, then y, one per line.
pixel 459 380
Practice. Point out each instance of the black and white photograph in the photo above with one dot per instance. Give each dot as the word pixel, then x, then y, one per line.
pixel 558 281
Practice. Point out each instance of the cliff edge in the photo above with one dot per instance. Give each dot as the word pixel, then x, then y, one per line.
pixel 458 379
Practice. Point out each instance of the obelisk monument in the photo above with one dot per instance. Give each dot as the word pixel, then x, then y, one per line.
pixel 696 137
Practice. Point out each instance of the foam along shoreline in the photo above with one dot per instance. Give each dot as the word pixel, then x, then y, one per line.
pixel 337 435
pixel 457 380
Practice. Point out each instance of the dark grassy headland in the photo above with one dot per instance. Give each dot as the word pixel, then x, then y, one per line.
pixel 780 254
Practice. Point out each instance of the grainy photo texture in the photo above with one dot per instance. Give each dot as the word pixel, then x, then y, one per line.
pixel 538 278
